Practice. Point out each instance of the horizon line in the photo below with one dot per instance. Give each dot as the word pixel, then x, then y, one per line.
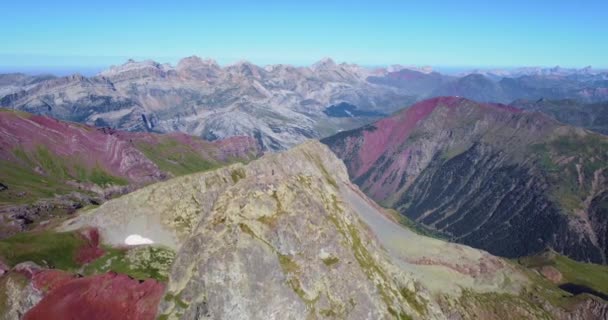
pixel 223 62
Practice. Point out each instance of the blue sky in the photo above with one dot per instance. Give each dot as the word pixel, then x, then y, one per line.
pixel 439 33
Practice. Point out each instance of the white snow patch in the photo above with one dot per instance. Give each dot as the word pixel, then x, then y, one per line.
pixel 136 239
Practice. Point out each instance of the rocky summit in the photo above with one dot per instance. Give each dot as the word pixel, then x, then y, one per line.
pixel 288 236
pixel 487 175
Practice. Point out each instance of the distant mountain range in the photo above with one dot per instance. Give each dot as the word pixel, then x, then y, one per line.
pixel 278 105
pixel 537 71
pixel 592 116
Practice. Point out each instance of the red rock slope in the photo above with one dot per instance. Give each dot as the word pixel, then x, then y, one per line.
pixel 106 296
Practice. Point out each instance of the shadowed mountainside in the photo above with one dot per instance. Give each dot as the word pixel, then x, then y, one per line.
pixel 592 116
pixel 490 176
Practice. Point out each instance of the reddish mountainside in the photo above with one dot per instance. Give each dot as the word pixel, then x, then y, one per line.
pixel 70 275
pixel 115 152
pixel 75 164
pixel 105 296
pixel 86 146
pixel 488 175
pixel 391 132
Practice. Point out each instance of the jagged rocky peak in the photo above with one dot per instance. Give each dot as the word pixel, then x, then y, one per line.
pixel 294 246
pixel 196 62
pixel 132 64
pixel 135 70
pixel 328 70
pixel 275 238
pixel 76 77
pixel 280 68
pixel 197 68
pixel 325 63
pixel 244 68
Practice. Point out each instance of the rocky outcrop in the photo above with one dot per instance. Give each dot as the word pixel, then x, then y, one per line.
pixel 251 244
pixel 587 308
pixel 18 296
pixel 486 175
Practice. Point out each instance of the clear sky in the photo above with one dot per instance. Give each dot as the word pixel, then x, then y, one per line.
pixel 440 33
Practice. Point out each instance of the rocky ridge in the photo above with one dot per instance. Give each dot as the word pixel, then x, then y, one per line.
pixel 288 236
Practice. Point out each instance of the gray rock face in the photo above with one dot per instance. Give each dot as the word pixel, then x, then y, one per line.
pixel 252 245
pixel 280 105
pixel 18 295
pixel 270 240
